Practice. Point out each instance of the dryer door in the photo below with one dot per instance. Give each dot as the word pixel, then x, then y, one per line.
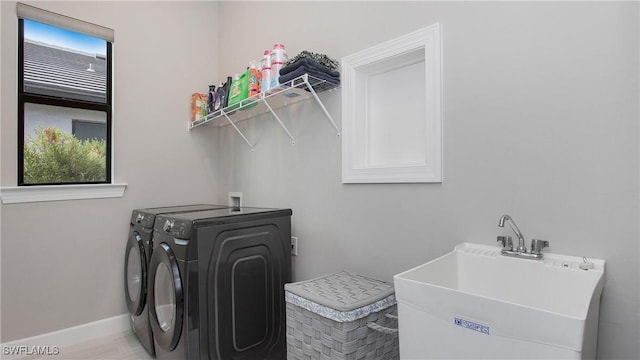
pixel 247 268
pixel 165 293
pixel 135 274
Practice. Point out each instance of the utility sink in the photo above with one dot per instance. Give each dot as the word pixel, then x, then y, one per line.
pixel 476 303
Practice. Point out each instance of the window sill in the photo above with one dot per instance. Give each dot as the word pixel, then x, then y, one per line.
pixel 24 194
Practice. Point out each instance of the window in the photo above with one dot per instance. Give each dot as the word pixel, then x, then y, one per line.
pixel 64 99
pixel 89 130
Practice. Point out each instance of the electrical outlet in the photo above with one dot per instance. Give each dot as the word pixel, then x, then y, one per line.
pixel 294 245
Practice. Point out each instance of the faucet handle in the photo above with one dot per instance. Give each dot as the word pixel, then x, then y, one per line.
pixel 506 242
pixel 537 245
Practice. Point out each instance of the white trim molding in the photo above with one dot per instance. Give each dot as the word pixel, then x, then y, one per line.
pixel 25 194
pixel 77 334
pixel 392 111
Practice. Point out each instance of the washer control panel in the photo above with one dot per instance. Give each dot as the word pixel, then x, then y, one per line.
pixel 143 219
pixel 173 227
pixel 168 225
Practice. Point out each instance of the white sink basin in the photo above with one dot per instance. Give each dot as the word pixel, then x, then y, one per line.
pixel 476 303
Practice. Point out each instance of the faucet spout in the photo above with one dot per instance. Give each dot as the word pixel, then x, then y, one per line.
pixel 506 218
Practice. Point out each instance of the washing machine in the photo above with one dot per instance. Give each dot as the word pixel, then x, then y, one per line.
pixel 216 284
pixel 137 257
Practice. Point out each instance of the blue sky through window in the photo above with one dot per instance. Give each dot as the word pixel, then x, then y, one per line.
pixel 48 34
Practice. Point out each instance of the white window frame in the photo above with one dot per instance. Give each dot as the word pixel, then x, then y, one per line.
pixel 37 193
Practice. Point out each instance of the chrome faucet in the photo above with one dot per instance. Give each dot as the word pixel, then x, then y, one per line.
pixel 514 227
pixel 521 250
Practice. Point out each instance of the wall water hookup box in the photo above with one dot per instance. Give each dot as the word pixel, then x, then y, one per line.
pixel 235 200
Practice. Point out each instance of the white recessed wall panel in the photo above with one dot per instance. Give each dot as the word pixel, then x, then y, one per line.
pixel 397 131
pixel 391 111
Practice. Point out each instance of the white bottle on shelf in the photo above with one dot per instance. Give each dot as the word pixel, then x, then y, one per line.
pixel 266 71
pixel 278 57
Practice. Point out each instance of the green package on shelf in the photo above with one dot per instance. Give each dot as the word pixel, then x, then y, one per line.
pixel 239 89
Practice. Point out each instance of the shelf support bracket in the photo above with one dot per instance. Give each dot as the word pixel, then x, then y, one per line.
pixel 238 130
pixel 313 92
pixel 293 141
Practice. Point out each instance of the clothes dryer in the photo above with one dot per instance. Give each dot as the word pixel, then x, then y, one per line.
pixel 216 284
pixel 137 256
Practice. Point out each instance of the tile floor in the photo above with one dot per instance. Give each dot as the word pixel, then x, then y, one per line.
pixel 123 346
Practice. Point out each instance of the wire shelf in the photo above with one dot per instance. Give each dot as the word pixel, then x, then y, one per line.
pixel 291 92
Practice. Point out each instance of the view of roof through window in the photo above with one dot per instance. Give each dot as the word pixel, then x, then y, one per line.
pixel 64 63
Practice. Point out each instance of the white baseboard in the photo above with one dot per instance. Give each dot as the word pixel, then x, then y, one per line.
pixel 77 334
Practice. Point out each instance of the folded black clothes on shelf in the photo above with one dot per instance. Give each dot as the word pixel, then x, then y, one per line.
pixel 301 70
pixel 321 59
pixel 311 65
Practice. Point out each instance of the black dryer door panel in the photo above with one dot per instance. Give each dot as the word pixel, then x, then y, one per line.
pixel 246 273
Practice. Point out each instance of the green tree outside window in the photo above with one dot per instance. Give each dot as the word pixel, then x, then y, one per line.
pixel 52 156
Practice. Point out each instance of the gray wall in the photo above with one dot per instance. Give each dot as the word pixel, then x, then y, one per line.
pixel 540 121
pixel 62 262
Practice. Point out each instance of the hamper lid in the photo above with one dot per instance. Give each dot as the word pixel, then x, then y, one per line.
pixel 344 292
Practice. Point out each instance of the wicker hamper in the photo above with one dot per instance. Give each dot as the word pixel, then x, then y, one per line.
pixel 341 316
